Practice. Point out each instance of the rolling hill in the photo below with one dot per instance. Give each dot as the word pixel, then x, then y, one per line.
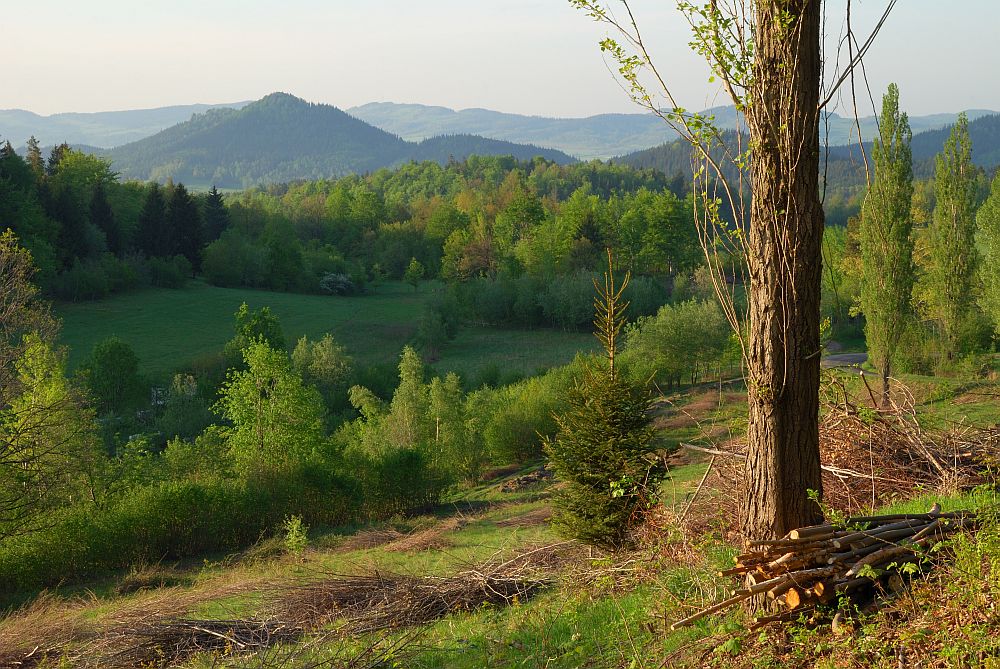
pixel 283 138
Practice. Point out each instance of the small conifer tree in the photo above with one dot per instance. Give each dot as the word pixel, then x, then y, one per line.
pixel 603 447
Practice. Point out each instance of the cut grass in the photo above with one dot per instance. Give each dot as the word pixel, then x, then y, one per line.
pixel 168 329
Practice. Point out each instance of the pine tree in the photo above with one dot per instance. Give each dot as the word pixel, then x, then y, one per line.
pixel 215 214
pixel 603 440
pixel 886 244
pixel 184 222
pixel 952 237
pixel 103 217
pixel 152 235
pixel 35 159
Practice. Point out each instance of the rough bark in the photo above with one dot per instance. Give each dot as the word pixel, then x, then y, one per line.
pixel 786 229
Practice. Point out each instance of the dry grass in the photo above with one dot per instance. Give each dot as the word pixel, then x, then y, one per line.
pixel 532 518
pixel 372 538
pixel 427 538
pixel 42 630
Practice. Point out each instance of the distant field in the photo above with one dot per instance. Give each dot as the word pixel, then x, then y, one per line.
pixel 170 328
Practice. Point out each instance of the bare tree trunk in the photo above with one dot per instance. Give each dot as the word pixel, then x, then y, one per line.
pixel 785 268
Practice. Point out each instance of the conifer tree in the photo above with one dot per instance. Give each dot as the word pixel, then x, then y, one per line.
pixel 35 159
pixel 55 157
pixel 886 245
pixel 152 236
pixel 952 237
pixel 184 222
pixel 103 217
pixel 215 214
pixel 603 441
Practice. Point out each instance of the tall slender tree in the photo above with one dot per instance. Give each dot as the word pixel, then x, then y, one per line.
pixel 886 244
pixel 35 159
pixel 152 236
pixel 767 56
pixel 988 224
pixel 953 255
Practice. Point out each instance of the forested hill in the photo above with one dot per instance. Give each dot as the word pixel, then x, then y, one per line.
pixel 845 167
pixel 282 138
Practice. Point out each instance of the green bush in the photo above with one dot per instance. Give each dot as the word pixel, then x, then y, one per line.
pixel 171 520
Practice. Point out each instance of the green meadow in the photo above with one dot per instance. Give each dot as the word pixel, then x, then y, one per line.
pixel 169 329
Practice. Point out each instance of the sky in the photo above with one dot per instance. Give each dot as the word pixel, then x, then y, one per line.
pixel 524 56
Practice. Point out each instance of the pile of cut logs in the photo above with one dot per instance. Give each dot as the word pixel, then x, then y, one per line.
pixel 858 559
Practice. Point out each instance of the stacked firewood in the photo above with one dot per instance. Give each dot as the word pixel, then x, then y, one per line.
pixel 818 565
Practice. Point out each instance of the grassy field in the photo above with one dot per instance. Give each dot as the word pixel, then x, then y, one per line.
pixel 170 328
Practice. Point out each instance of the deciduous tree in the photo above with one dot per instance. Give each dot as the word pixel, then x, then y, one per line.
pixel 886 243
pixel 953 253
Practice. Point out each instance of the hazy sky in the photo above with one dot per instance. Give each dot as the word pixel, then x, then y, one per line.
pixel 525 56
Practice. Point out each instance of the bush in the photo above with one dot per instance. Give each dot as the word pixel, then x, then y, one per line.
pixel 338 284
pixel 171 520
pixel 169 272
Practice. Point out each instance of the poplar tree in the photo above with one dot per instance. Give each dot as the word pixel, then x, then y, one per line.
pixel 886 244
pixel 952 237
pixel 988 223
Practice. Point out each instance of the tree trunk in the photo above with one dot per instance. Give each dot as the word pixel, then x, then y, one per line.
pixel 785 269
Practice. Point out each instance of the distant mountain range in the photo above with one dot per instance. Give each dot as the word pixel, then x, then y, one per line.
pixel 283 138
pixel 99 129
pixel 603 136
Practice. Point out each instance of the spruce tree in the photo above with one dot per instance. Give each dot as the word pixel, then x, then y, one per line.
pixel 952 237
pixel 215 214
pixel 103 217
pixel 886 244
pixel 184 223
pixel 152 223
pixel 55 157
pixel 604 441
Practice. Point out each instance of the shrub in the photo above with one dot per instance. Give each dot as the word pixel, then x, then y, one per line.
pixel 600 449
pixel 338 284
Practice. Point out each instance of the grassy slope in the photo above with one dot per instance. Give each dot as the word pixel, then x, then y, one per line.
pixel 170 328
pixel 612 615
